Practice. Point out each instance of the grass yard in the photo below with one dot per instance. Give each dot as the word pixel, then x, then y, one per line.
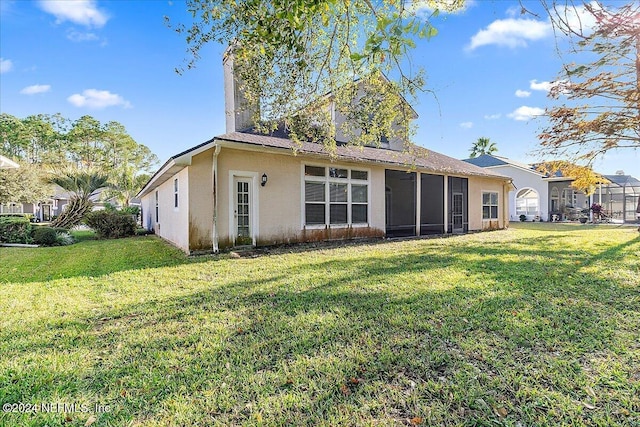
pixel 538 325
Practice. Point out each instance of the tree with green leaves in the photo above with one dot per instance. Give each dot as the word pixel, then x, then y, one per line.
pixel 25 184
pixel 483 146
pixel 598 107
pixel 599 97
pixel 82 184
pixel 51 141
pixel 290 53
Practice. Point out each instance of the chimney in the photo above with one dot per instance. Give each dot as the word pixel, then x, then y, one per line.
pixel 238 112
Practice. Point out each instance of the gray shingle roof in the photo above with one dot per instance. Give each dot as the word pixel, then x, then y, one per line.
pixel 485 161
pixel 415 156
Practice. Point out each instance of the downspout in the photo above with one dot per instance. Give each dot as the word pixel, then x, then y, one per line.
pixel 216 249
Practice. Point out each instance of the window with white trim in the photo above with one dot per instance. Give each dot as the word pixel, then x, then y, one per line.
pixel 489 205
pixel 157 210
pixel 335 196
pixel 175 193
pixel 527 202
pixel 569 198
pixel 11 208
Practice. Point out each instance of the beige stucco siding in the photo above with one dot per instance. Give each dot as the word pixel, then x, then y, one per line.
pixel 476 187
pixel 201 202
pixel 278 206
pixel 173 224
pixel 276 209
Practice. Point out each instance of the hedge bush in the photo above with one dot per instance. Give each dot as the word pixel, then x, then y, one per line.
pixel 48 236
pixel 15 230
pixel 45 236
pixel 110 224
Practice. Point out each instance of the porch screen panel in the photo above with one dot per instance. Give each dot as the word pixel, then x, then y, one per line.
pixel 431 204
pixel 400 209
pixel 459 185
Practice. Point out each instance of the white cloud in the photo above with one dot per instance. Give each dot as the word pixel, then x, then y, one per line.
pixel 5 65
pixel 543 86
pixel 82 12
pixel 466 125
pixel 492 116
pixel 424 8
pixel 577 18
pixel 523 93
pixel 78 36
pixel 511 33
pixel 93 98
pixel 525 113
pixel 34 89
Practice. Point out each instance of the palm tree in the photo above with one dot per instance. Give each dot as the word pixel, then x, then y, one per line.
pixel 126 184
pixel 483 146
pixel 81 184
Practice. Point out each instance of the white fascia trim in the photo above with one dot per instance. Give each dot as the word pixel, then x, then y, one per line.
pixel 533 171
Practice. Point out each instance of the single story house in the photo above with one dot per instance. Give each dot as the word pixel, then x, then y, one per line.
pixel 45 210
pixel 552 197
pixel 531 194
pixel 245 188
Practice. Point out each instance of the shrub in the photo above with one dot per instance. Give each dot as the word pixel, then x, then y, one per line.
pixel 131 210
pixel 49 236
pixel 45 236
pixel 523 218
pixel 63 238
pixel 110 224
pixel 15 230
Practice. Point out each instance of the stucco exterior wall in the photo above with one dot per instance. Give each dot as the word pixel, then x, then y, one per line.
pixel 476 187
pixel 276 209
pixel 521 180
pixel 173 224
pixel 278 206
pixel 201 202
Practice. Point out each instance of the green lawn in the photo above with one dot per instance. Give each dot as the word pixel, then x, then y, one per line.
pixel 532 326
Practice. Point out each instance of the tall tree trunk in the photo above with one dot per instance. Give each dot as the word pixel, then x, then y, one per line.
pixel 74 213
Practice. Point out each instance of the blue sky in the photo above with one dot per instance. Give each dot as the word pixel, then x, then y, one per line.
pixel 488 68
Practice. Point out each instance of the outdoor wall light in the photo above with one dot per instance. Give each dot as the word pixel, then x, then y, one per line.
pixel 264 179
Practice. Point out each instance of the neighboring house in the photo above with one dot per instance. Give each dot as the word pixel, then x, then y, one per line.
pixel 531 194
pixel 565 202
pixel 46 210
pixel 42 211
pixel 9 208
pixel 244 188
pixel 552 198
pixel 619 198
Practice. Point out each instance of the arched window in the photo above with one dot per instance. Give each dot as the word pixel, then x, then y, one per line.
pixel 527 202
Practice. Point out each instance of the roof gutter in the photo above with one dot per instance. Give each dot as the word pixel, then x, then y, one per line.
pixel 172 166
pixel 247 146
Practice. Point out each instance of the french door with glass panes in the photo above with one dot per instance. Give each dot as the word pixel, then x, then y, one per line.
pixel 242 211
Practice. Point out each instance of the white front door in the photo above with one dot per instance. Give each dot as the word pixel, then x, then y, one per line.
pixel 243 221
